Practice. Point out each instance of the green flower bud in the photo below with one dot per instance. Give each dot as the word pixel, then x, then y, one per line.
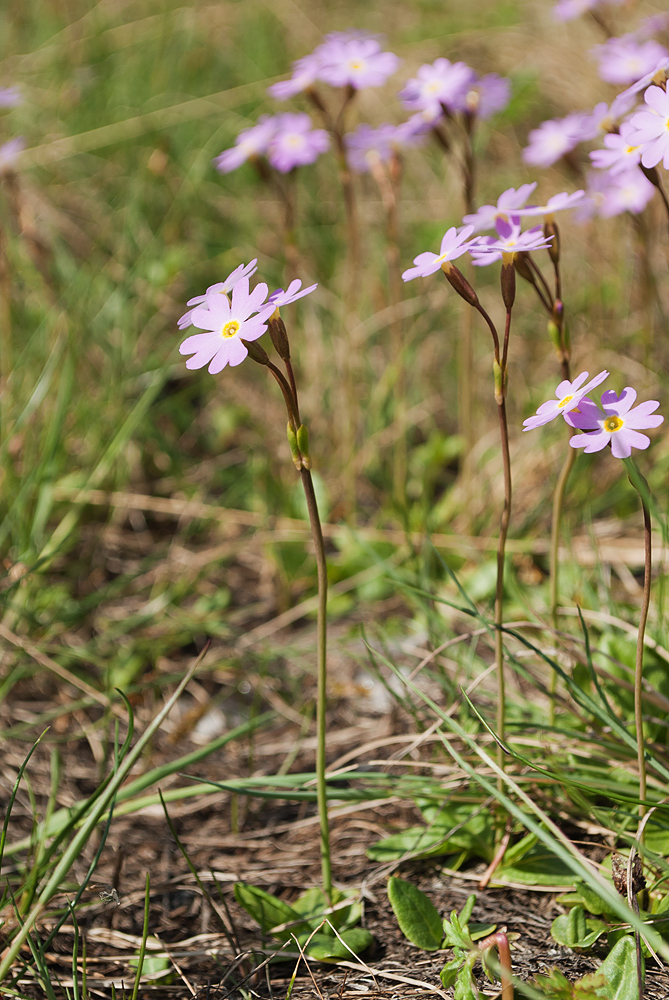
pixel 294 449
pixel 303 445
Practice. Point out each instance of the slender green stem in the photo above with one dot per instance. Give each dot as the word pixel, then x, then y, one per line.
pixel 558 504
pixel 499 589
pixel 321 695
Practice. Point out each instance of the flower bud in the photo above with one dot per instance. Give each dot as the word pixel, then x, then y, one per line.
pixel 256 352
pixel 508 280
pixel 303 445
pixel 458 281
pixel 498 376
pixel 523 268
pixel 277 332
pixel 294 450
pixel 551 229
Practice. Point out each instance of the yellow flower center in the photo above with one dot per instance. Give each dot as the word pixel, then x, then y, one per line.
pixel 230 329
pixel 612 424
pixel 564 402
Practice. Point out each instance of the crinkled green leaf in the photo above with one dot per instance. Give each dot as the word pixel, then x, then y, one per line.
pixel 325 948
pixel 574 930
pixel 465 988
pixel 417 916
pixel 268 911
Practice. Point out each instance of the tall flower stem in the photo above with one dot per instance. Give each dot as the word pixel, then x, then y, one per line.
pixel 321 695
pixel 556 519
pixel 641 486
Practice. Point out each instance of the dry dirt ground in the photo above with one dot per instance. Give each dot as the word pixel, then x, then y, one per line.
pixel 268 843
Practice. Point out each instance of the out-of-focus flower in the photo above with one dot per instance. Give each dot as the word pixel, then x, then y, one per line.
pixel 569 396
pixel 10 97
pixel 619 155
pixel 612 194
pixel 509 241
pixel 488 95
pixel 438 85
pixel 220 288
pixel 10 153
pixel 624 60
pixel 650 128
pixel 657 75
pixel 305 74
pixel 567 10
pixel 356 62
pixel 556 203
pixel 553 139
pixel 295 142
pixel 227 322
pixel 618 425
pixel 368 144
pixel 507 207
pixel 291 294
pixel 453 245
pixel 249 143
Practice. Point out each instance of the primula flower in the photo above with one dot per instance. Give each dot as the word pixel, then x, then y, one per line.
pixel 367 144
pixel 619 155
pixel 556 203
pixel 618 424
pixel 251 142
pixel 624 60
pixel 453 245
pixel 510 241
pixel 10 97
pixel 292 294
pixel 10 153
pixel 221 287
pixel 227 323
pixel 569 396
pixel 651 128
pixel 438 85
pixel 305 74
pixel 657 75
pixel 553 139
pixel 507 207
pixel 488 95
pixel 612 194
pixel 356 62
pixel 295 143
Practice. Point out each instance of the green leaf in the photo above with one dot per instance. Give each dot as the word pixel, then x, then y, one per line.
pixel 451 970
pixel 464 985
pixel 268 911
pixel 557 987
pixel 537 866
pixel 417 916
pixel 478 931
pixel 325 948
pixel 575 931
pixel 314 907
pixel 467 910
pixel 416 840
pixel 619 971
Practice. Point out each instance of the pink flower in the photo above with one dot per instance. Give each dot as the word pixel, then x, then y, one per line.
pixel 509 241
pixel 650 129
pixel 553 139
pixel 438 85
pixel 251 142
pixel 367 144
pixel 612 194
pixel 305 74
pixel 292 294
pixel 10 153
pixel 507 206
pixel 618 424
pixel 488 95
pixel 227 323
pixel 619 155
pixel 569 396
pixel 624 60
pixel 453 245
pixel 10 97
pixel 295 143
pixel 356 62
pixel 556 203
pixel 657 75
pixel 221 287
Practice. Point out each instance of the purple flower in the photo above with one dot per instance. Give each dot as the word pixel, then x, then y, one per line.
pixel 507 206
pixel 305 74
pixel 657 75
pixel 624 60
pixel 221 287
pixel 619 155
pixel 10 153
pixel 567 10
pixel 251 142
pixel 10 97
pixel 650 129
pixel 356 62
pixel 441 84
pixel 295 142
pixel 488 95
pixel 611 194
pixel 292 294
pixel 618 424
pixel 509 240
pixel 557 203
pixel 569 396
pixel 227 323
pixel 553 139
pixel 367 144
pixel 453 245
